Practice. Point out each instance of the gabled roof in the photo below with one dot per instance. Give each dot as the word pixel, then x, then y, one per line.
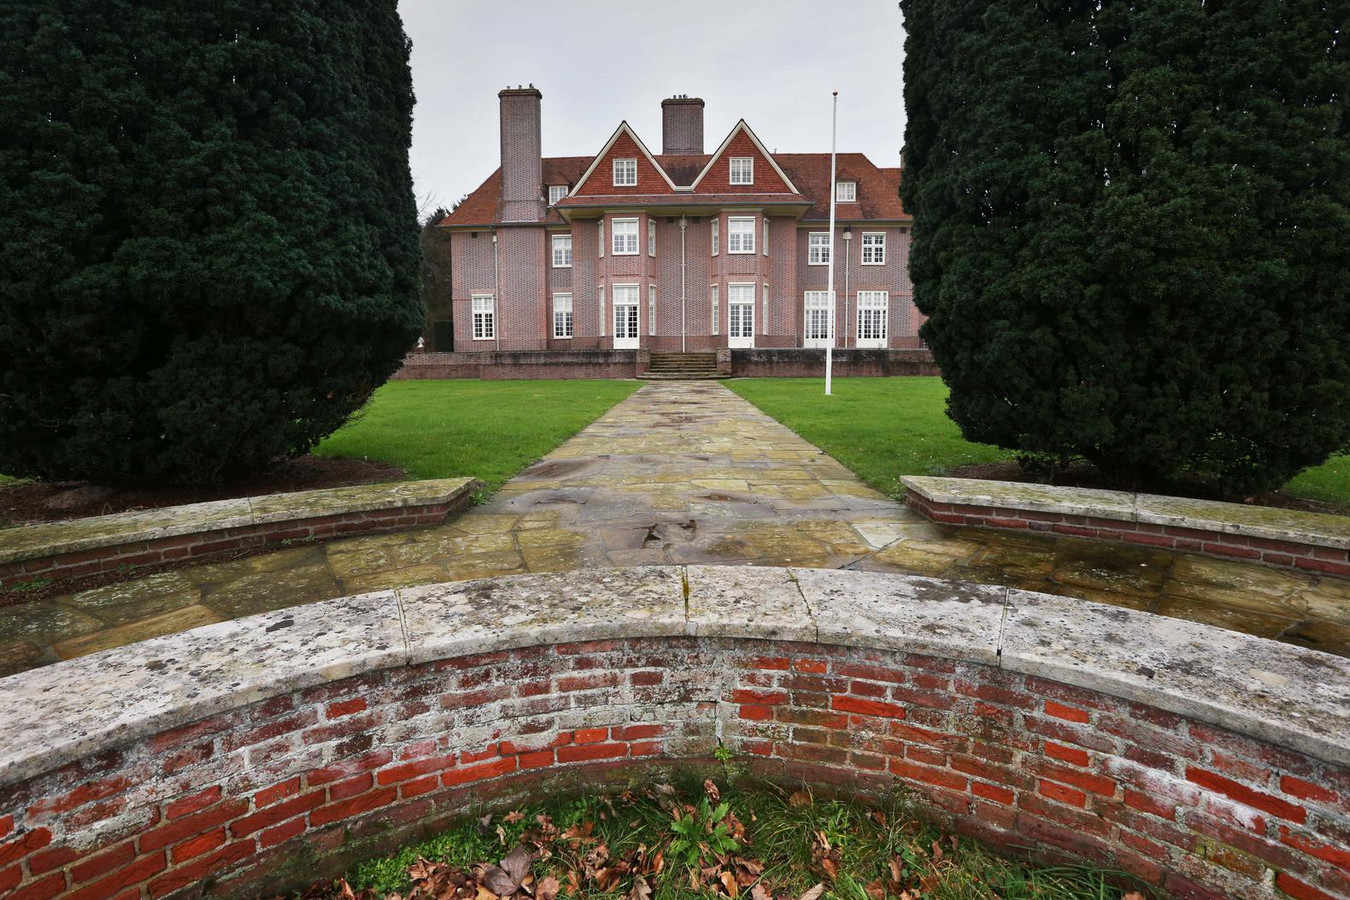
pixel 878 188
pixel 624 130
pixel 738 129
pixel 483 207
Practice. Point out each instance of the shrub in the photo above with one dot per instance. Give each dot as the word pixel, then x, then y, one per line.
pixel 1132 230
pixel 209 236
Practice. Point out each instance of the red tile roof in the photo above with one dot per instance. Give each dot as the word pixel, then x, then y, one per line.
pixel 878 188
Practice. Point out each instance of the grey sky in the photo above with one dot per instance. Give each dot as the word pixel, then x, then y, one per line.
pixel 597 62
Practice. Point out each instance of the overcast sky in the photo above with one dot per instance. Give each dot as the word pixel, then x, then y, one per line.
pixel 598 62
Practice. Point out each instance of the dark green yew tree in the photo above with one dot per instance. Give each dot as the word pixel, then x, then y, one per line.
pixel 208 238
pixel 1132 229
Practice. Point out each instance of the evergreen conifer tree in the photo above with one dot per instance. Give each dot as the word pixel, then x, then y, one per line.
pixel 208 238
pixel 1132 230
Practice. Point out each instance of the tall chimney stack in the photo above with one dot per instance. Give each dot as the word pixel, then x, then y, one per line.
pixel 682 125
pixel 522 155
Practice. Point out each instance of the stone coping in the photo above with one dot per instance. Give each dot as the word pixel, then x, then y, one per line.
pixel 50 539
pixel 1286 695
pixel 1270 523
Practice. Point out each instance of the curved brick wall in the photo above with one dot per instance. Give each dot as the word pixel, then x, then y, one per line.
pixel 259 753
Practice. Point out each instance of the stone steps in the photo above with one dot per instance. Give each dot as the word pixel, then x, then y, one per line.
pixel 680 366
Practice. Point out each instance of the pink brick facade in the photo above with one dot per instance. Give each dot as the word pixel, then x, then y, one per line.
pixel 502 244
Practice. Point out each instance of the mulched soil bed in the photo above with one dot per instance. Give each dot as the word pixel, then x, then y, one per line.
pixel 29 502
pixel 1086 476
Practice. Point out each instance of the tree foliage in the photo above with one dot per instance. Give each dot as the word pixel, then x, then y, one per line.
pixel 208 238
pixel 1132 229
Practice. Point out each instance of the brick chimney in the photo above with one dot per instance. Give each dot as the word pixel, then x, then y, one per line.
pixel 522 155
pixel 682 125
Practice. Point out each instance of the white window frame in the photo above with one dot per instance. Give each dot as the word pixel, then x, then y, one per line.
pixel 746 234
pixel 623 169
pixel 557 192
pixel 874 302
pixel 600 290
pixel 564 322
pixel 484 317
pixel 766 235
pixel 601 242
pixel 817 300
pixel 716 309
pixel 846 192
pixel 878 248
pixel 651 309
pixel 739 292
pixel 623 242
pixel 818 251
pixel 651 236
pixel 716 237
pixel 747 167
pixel 562 251
pixel 630 291
pixel 764 314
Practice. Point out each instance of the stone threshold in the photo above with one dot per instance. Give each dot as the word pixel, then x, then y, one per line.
pixel 78 548
pixel 1293 697
pixel 1282 538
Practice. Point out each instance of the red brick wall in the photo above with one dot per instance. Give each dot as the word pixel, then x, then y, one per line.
pixel 571 362
pixel 850 363
pixel 717 180
pixel 601 182
pixel 296 786
pixel 1283 554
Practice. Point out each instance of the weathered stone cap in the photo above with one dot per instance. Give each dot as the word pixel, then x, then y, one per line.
pixel 55 538
pixel 1290 696
pixel 1296 526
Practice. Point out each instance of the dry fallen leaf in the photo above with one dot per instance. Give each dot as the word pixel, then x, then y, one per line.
pixel 513 816
pixel 875 890
pixel 729 883
pixel 814 893
pixel 547 888
pixel 799 798
pixel 760 892
pixel 711 790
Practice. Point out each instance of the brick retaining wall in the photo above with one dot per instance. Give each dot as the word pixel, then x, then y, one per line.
pixel 291 783
pixel 508 365
pixel 846 363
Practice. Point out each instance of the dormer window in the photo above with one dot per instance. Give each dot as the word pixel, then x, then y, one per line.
pixel 556 192
pixel 846 192
pixel 742 170
pixel 625 173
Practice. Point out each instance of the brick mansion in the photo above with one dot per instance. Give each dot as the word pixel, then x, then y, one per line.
pixel 678 251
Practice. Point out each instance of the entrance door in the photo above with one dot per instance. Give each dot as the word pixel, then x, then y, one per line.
pixel 819 320
pixel 626 317
pixel 740 315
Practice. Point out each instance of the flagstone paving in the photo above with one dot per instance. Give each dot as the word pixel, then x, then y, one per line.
pixel 683 472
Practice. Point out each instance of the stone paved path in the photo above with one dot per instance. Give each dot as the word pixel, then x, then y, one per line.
pixel 683 472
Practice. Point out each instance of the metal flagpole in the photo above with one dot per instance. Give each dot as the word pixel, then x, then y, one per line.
pixel 829 288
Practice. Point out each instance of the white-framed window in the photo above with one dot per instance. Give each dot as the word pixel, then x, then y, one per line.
pixel 625 241
pixel 716 309
pixel 740 315
pixel 741 234
pixel 484 317
pixel 562 315
pixel 601 296
pixel 562 251
pixel 651 309
pixel 874 248
pixel 626 315
pixel 846 192
pixel 872 314
pixel 625 173
pixel 742 170
pixel 602 238
pixel 716 237
pixel 818 253
pixel 819 321
pixel 556 192
pixel 651 236
pixel 764 313
pixel 766 235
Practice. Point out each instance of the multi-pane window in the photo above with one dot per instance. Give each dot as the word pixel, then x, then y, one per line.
pixel 484 318
pixel 562 251
pixel 874 248
pixel 562 315
pixel 766 235
pixel 601 292
pixel 818 253
pixel 556 192
pixel 625 237
pixel 742 170
pixel 846 192
pixel 764 313
pixel 741 234
pixel 715 238
pixel 716 310
pixel 819 327
pixel 626 312
pixel 625 173
pixel 651 237
pixel 740 313
pixel 602 237
pixel 872 307
pixel 651 309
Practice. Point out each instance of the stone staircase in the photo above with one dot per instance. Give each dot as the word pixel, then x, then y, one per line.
pixel 682 366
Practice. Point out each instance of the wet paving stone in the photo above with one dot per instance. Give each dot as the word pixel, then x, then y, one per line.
pixel 686 473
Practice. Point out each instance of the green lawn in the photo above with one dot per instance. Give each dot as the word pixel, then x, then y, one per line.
pixel 488 429
pixel 883 428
